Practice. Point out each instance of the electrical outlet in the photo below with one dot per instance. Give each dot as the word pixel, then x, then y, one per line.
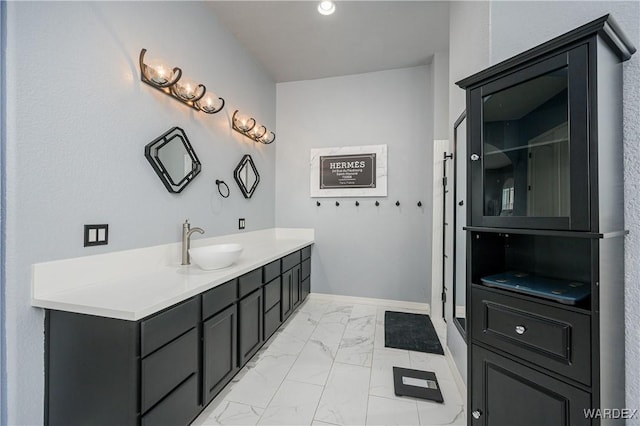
pixel 96 235
pixel 241 223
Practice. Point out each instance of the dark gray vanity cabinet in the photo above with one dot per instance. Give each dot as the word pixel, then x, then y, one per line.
pixel 165 368
pixel 109 371
pixel 545 245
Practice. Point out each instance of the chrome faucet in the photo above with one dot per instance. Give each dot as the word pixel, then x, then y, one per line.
pixel 186 240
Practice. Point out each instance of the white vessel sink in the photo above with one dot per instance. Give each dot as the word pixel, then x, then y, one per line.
pixel 216 256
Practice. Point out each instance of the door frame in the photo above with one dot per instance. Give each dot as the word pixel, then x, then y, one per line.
pixel 456 196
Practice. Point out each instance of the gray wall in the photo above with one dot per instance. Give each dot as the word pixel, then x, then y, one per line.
pixel 368 251
pixel 518 26
pixel 78 119
pixel 3 128
pixel 468 53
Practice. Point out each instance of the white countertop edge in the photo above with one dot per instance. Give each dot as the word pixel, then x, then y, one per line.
pixel 65 299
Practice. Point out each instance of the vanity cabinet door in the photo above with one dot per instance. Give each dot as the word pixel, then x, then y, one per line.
pixel 250 317
pixel 296 291
pixel 219 351
pixel 287 305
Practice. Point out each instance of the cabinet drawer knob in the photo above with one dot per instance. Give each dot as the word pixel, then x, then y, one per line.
pixel 476 414
pixel 475 157
pixel 520 329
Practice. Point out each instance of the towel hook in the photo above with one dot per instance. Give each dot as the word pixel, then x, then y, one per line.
pixel 221 182
pixel 357 203
pixel 398 203
pixel 337 204
pixel 318 203
pixel 377 203
pixel 419 203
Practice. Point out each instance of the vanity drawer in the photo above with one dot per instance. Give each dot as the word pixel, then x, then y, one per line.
pixel 290 261
pixel 553 338
pixel 271 271
pixel 271 294
pixel 306 252
pixel 179 408
pixel 272 321
pixel 166 368
pixel 218 298
pixel 305 268
pixel 167 325
pixel 249 282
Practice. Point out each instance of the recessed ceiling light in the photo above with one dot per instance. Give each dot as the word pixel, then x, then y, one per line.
pixel 326 7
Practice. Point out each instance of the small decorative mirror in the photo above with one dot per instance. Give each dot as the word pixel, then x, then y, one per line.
pixel 247 176
pixel 173 159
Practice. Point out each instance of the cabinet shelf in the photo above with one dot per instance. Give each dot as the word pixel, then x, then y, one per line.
pixel 547 232
pixel 525 147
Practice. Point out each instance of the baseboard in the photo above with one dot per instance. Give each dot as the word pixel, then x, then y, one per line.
pixel 423 307
pixel 456 374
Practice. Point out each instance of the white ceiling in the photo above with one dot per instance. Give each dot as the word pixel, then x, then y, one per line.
pixel 294 42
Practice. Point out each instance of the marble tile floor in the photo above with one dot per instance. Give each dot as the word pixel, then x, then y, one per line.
pixel 327 365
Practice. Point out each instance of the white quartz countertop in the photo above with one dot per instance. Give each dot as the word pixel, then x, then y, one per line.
pixel 133 284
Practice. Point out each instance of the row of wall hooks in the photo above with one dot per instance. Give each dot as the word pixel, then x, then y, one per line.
pixel 377 203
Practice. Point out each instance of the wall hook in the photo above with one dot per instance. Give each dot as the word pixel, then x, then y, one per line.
pixel 318 203
pixel 337 204
pixel 398 203
pixel 377 203
pixel 419 203
pixel 357 203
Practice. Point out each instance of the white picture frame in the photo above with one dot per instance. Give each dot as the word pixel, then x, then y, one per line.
pixel 348 171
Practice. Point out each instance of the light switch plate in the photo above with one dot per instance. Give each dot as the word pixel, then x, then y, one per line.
pixel 96 235
pixel 241 223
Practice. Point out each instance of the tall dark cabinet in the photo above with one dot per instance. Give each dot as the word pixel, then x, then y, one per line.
pixel 545 260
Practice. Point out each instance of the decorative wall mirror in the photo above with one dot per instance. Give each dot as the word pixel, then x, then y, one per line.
pixel 247 176
pixel 459 222
pixel 173 159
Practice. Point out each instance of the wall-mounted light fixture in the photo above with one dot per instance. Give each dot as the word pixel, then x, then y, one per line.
pixel 169 81
pixel 248 126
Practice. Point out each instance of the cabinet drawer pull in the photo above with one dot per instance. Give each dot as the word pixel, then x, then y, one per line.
pixel 520 329
pixel 476 414
pixel 475 157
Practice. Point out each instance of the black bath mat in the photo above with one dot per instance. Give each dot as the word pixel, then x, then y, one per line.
pixel 414 332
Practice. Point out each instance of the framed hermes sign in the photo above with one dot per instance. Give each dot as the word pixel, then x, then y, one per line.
pixel 352 171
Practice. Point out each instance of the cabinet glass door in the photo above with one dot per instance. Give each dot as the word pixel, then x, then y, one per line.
pixel 530 151
pixel 526 148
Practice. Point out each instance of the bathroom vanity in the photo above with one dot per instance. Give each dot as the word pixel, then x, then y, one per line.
pixel 138 368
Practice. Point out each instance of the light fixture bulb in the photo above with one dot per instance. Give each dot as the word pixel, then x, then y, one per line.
pixel 186 89
pixel 210 100
pixel 243 122
pixel 159 72
pixel 326 7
